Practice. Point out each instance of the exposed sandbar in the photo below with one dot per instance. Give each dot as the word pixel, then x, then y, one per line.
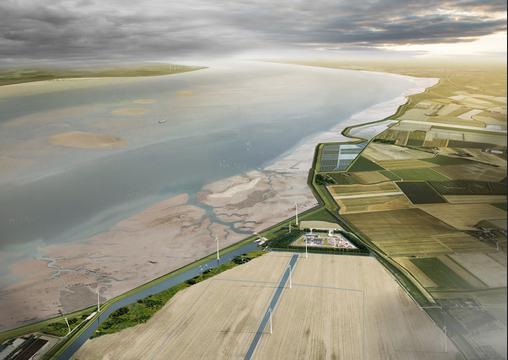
pixel 87 140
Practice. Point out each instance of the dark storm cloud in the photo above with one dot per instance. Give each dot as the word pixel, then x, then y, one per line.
pixel 120 29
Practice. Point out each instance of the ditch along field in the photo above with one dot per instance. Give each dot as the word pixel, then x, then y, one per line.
pixel 339 307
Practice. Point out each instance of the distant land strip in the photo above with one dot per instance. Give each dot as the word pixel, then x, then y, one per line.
pixel 23 75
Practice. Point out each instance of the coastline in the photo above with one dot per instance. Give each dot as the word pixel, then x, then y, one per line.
pixel 377 113
pixel 249 201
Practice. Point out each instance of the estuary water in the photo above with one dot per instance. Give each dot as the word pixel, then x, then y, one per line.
pixel 181 131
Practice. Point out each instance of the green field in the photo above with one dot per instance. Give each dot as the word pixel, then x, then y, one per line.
pixel 419 174
pixel 416 138
pixel 441 274
pixel 501 206
pixel 319 215
pixel 390 175
pixel 363 164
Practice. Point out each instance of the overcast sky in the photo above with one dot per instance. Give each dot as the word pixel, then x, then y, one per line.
pixel 67 30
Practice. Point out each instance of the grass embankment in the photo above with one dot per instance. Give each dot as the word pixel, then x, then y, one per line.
pixel 53 326
pixel 143 309
pixel 18 76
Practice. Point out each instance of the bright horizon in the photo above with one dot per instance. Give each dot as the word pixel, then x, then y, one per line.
pixel 73 31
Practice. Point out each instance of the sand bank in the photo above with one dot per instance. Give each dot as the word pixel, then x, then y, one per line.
pixel 129 111
pixel 144 101
pixel 86 140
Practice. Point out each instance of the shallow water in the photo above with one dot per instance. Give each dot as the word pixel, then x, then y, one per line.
pixel 219 122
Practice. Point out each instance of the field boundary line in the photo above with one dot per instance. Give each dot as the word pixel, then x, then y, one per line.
pixel 272 305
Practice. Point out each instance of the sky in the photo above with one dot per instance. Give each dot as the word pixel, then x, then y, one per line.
pixel 151 30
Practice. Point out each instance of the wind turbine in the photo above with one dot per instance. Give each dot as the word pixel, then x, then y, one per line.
pixel 218 255
pixel 66 322
pixel 296 213
pixel 98 299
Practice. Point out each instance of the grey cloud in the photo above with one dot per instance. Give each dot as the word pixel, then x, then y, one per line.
pixel 114 29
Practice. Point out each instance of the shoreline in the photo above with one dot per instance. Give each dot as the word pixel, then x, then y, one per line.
pixel 376 113
pixel 283 178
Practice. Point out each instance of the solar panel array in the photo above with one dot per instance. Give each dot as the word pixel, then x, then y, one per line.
pixel 337 157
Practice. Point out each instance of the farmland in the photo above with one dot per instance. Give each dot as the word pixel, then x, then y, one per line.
pixel 372 203
pixel 413 232
pixel 469 187
pixel 447 227
pixel 472 171
pixel 364 164
pixel 484 267
pixel 365 315
pixel 345 190
pixel 420 192
pixel 463 216
pixel 187 327
pixel 419 174
pixel 440 274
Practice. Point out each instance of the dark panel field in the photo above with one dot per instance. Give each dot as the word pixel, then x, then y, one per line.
pixel 420 193
pixel 364 164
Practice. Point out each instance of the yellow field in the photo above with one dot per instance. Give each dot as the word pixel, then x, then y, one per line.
pixel 215 319
pixel 379 152
pixel 373 203
pixel 369 177
pixel 463 216
pixel 412 232
pixel 461 242
pixel 405 164
pixel 339 307
pixel 347 307
pixel 475 199
pixel 356 189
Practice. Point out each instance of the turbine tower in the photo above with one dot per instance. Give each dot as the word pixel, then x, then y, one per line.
pixel 296 213
pixel 98 300
pixel 218 255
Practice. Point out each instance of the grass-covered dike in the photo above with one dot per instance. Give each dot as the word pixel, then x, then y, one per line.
pixel 142 310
